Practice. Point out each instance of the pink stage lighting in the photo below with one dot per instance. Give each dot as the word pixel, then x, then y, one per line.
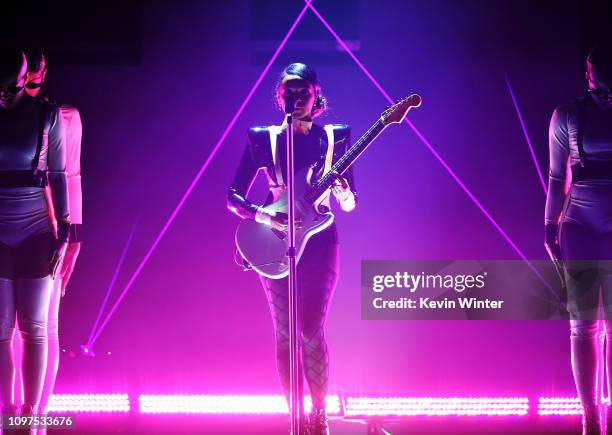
pixel 88 403
pixel 225 404
pixel 406 406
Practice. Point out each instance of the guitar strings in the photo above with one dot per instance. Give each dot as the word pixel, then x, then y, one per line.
pixel 314 192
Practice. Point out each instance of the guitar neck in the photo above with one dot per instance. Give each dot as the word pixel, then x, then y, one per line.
pixel 345 162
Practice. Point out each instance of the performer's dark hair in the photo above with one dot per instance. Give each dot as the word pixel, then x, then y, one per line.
pixel 10 62
pixel 307 73
pixel 600 59
pixel 35 57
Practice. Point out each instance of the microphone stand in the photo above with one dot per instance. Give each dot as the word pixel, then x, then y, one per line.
pixel 296 402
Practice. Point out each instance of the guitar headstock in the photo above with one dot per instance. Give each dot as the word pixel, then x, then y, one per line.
pixel 397 112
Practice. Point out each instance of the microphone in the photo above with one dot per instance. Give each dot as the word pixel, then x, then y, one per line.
pixel 289 105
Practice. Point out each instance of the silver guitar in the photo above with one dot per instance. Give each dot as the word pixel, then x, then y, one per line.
pixel 263 248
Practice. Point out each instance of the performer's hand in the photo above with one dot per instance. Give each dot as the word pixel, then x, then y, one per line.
pixel 56 258
pixel 343 193
pixel 280 222
pixel 72 253
pixel 61 244
pixel 551 242
pixel 341 188
pixel 276 220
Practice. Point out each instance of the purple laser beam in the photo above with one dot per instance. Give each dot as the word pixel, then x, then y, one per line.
pixel 522 122
pixel 432 149
pixel 200 172
pixel 112 283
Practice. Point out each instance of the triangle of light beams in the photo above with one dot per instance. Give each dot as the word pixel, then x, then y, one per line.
pixel 308 5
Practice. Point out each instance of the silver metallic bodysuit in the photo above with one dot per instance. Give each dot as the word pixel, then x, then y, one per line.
pixel 23 210
pixel 589 201
pixel 580 137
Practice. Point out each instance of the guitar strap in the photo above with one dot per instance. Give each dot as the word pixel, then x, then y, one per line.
pixel 329 156
pixel 275 130
pixel 329 159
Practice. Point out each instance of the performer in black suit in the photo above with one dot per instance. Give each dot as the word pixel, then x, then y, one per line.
pixel 318 267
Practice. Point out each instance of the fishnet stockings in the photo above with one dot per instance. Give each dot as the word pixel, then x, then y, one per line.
pixel 317 277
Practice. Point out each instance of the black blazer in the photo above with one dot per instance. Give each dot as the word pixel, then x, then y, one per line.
pixel 258 155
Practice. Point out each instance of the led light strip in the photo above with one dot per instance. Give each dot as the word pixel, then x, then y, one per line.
pixel 354 406
pixel 225 404
pixel 403 406
pixel 559 406
pixel 88 403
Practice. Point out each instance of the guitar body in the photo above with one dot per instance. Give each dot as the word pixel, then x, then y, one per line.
pixel 265 249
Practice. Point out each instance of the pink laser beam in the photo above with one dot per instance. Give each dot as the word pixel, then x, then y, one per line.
pixel 112 283
pixel 431 148
pixel 200 172
pixel 524 128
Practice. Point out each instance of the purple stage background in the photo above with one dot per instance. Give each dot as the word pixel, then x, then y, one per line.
pixel 193 322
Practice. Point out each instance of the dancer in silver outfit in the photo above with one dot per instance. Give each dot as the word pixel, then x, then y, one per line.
pixel 32 156
pixel 37 72
pixel 578 225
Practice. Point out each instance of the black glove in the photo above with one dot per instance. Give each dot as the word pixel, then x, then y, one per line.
pixel 551 241
pixel 63 232
pixel 63 235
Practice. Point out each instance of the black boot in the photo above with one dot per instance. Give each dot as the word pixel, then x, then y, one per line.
pixel 591 420
pixel 317 422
